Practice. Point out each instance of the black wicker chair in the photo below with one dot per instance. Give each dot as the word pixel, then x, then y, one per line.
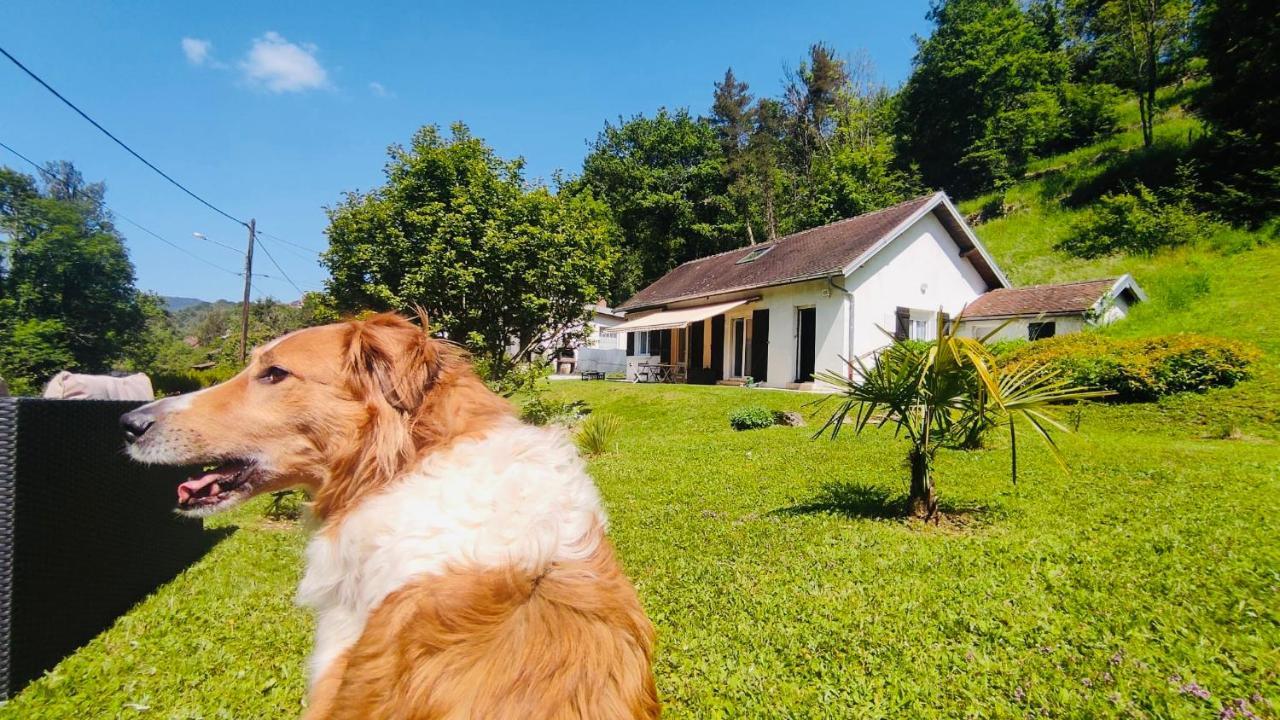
pixel 84 532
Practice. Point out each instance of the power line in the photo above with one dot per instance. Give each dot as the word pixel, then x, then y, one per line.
pixel 270 257
pixel 292 244
pixel 179 247
pixel 135 223
pixel 120 142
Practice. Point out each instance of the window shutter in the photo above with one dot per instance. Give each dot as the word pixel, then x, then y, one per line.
pixel 946 323
pixel 631 343
pixel 902 330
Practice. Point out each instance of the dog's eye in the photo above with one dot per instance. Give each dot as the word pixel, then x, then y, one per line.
pixel 273 375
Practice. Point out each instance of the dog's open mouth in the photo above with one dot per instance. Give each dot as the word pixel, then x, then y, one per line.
pixel 216 484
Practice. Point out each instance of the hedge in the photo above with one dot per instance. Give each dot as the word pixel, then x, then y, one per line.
pixel 1140 369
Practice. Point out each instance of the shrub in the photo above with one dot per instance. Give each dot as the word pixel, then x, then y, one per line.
pixel 176 383
pixel 1140 369
pixel 1137 222
pixel 751 418
pixel 598 434
pixel 540 410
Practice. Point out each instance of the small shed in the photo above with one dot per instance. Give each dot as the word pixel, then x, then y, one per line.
pixel 1043 311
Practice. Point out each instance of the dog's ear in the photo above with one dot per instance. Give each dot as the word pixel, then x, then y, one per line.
pixel 391 365
pixel 391 357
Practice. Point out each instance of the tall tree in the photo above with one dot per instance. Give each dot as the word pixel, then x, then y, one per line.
pixel 66 281
pixel 732 117
pixel 1142 42
pixel 664 179
pixel 457 231
pixel 976 84
pixel 767 157
pixel 813 98
pixel 1240 41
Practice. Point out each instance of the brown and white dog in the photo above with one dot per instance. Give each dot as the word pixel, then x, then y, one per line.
pixel 460 568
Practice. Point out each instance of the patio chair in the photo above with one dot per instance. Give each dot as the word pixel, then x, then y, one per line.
pixel 681 373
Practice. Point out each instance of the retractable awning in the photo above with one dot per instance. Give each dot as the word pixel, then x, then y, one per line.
pixel 667 319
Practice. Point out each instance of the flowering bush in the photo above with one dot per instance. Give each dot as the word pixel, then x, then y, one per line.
pixel 1140 369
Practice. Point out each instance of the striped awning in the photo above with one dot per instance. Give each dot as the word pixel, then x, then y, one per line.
pixel 668 319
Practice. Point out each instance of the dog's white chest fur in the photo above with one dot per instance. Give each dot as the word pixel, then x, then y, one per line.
pixel 520 496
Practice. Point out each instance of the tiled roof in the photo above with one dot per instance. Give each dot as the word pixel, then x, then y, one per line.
pixel 812 253
pixel 1075 297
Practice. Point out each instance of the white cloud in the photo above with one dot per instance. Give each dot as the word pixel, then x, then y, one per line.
pixel 281 66
pixel 196 50
pixel 380 90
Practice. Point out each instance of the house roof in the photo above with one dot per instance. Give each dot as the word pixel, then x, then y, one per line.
pixel 1062 299
pixel 824 251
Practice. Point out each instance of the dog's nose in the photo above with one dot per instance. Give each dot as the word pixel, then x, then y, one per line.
pixel 135 424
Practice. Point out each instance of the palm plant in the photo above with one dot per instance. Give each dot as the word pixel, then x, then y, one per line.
pixel 943 394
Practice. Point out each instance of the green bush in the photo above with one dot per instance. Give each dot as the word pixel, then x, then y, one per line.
pixel 175 383
pixel 541 410
pixel 1140 369
pixel 751 418
pixel 1137 222
pixel 598 434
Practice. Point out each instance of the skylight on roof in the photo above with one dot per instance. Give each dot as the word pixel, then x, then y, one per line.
pixel 754 255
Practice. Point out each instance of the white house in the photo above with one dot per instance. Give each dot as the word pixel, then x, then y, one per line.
pixel 777 312
pixel 590 335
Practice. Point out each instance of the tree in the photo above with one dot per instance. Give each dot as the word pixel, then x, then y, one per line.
pixel 813 98
pixel 458 232
pixel 1142 42
pixel 663 177
pixel 941 394
pixel 65 277
pixel 978 82
pixel 1240 41
pixel 732 117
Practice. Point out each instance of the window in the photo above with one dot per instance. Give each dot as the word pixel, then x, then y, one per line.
pixel 642 343
pixel 754 255
pixel 1041 330
pixel 919 329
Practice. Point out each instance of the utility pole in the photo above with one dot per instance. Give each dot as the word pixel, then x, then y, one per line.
pixel 244 307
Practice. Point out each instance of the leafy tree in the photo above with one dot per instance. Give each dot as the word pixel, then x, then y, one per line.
pixel 766 150
pixel 456 230
pixel 1240 41
pixel 664 179
pixel 939 394
pixel 977 84
pixel 1142 43
pixel 65 277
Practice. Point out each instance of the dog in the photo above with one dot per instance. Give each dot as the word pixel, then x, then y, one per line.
pixel 459 568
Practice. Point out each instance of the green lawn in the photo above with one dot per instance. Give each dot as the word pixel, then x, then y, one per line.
pixel 780 588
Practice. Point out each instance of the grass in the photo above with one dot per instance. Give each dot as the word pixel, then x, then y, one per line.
pixel 783 581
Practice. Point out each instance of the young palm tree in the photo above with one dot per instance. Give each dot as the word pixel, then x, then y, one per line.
pixel 942 394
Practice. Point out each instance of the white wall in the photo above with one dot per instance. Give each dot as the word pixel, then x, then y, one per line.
pixel 922 270
pixel 782 303
pixel 1018 328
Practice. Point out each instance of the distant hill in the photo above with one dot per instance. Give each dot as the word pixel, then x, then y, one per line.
pixel 174 304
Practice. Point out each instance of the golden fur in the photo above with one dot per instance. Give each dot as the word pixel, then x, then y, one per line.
pixel 362 402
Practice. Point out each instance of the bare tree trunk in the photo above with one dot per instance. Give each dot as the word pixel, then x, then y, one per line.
pixel 770 219
pixel 924 502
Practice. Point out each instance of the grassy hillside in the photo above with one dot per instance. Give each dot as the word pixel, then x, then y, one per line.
pixel 1225 284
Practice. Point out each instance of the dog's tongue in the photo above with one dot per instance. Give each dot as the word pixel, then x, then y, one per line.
pixel 206 483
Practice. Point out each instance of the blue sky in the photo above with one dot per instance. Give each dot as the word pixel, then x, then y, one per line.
pixel 273 110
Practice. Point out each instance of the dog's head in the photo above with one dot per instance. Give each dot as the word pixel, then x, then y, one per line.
pixel 340 409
